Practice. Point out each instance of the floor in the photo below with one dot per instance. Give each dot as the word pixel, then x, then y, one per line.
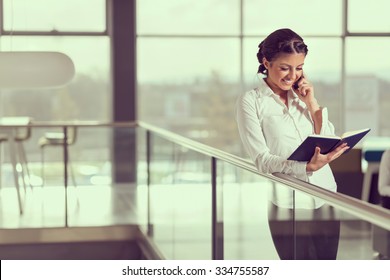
pixel 87 206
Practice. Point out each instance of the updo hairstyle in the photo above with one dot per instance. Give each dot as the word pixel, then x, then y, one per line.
pixel 279 42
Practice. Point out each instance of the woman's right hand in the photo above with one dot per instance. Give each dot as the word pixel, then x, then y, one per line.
pixel 319 160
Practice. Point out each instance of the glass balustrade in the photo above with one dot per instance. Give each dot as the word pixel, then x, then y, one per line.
pixel 192 201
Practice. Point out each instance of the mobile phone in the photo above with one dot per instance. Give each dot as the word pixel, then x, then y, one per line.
pixel 295 85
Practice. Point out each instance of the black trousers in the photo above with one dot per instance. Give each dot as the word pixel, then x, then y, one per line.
pixel 385 200
pixel 304 234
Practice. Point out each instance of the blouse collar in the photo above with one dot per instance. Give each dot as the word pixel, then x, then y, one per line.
pixel 267 91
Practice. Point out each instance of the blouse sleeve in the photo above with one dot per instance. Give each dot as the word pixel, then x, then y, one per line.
pixel 253 140
pixel 327 127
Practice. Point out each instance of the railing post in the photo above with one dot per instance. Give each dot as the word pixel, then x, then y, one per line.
pixel 65 129
pixel 216 229
pixel 12 147
pixel 148 154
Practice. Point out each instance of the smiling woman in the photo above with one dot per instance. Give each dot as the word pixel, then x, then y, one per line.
pixel 273 119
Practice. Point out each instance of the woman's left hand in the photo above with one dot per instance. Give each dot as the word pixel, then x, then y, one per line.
pixel 319 160
pixel 305 92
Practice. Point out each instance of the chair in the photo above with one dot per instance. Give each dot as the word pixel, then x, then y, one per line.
pixel 20 134
pixel 373 158
pixel 348 173
pixel 57 139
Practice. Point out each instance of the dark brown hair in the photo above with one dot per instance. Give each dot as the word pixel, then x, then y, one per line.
pixel 278 42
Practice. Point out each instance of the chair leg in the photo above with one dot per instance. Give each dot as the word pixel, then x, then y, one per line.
pixel 14 161
pixel 24 165
pixel 19 163
pixel 1 167
pixel 372 168
pixel 42 167
pixel 71 171
pixel 24 161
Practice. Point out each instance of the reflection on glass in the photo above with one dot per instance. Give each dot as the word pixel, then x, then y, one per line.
pixel 180 201
pixel 304 234
pixel 255 228
pixel 304 17
pixel 364 17
pixel 94 196
pixel 246 231
pixel 89 165
pixel 381 239
pixel 188 17
pixel 49 15
pixel 142 180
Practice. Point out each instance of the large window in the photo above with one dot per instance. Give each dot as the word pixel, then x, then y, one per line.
pixel 365 16
pixel 188 17
pixel 54 15
pixel 367 98
pixel 76 28
pixel 195 57
pixel 90 56
pixel 261 17
pixel 189 67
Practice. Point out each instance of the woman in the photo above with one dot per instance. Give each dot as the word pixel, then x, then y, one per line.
pixel 273 120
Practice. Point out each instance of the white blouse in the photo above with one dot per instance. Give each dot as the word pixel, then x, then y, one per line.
pixel 270 131
pixel 384 174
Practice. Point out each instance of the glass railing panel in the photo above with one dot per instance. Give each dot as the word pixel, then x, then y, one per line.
pixel 171 199
pixel 267 220
pixel 101 182
pixel 306 233
pixel 380 243
pixel 180 201
pixel 103 167
pixel 89 156
pixel 30 145
pixel 40 207
pixel 142 191
pixel 247 213
pixel 333 233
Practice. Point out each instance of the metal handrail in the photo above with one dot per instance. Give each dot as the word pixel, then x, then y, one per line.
pixel 369 212
pixel 360 209
pixel 61 124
